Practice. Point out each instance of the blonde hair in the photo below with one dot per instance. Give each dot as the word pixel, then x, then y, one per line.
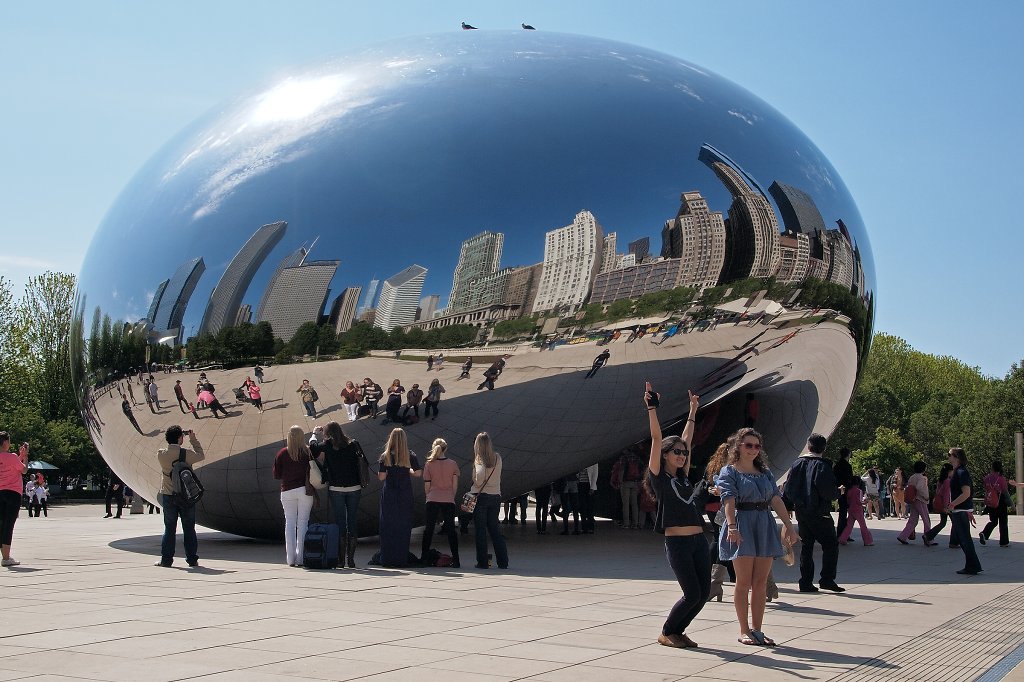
pixel 483 450
pixel 396 452
pixel 717 461
pixel 297 444
pixel 437 448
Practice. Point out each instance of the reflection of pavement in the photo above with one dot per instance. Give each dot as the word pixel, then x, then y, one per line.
pixel 544 417
pixel 574 608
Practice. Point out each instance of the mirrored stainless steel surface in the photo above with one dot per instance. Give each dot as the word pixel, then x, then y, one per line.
pixel 468 179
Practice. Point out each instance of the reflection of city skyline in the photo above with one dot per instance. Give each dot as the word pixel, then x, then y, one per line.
pixel 700 248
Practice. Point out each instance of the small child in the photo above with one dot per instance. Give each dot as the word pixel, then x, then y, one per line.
pixel 855 497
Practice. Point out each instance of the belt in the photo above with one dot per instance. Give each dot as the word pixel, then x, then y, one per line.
pixel 752 506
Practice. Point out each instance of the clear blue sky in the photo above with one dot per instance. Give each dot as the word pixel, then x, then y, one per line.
pixel 916 104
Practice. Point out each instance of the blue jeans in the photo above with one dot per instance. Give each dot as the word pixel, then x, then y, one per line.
pixel 310 409
pixel 172 511
pixel 485 522
pixel 345 509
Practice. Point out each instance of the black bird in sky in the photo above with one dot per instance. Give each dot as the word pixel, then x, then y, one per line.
pixel 467 27
pixel 528 27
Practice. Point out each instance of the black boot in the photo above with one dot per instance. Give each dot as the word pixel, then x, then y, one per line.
pixel 342 549
pixel 350 544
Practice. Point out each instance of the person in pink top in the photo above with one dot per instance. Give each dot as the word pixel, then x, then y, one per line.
pixel 12 467
pixel 997 491
pixel 919 506
pixel 254 395
pixel 855 497
pixel 440 481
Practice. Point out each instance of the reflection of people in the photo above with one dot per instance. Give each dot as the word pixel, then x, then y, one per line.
pixel 397 465
pixel 308 396
pixel 172 509
pixel 492 373
pixel 350 397
pixel 466 367
pixel 412 401
pixel 372 392
pixel 12 468
pixel 439 361
pixel 598 363
pixel 395 391
pixel 679 518
pixel 433 397
pixel 258 373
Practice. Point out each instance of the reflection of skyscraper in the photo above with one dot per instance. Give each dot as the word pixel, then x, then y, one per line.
pixel 227 295
pixel 343 310
pixel 297 296
pixel 399 296
pixel 429 305
pixel 640 248
pixel 636 280
pixel 155 304
pixel 292 260
pixel 244 314
pixel 522 287
pixel 572 258
pixel 370 297
pixel 798 210
pixel 840 268
pixel 479 257
pixel 794 256
pixel 609 259
pixel 696 236
pixel 752 242
pixel 176 295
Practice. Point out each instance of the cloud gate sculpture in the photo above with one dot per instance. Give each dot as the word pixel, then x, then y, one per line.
pixel 544 196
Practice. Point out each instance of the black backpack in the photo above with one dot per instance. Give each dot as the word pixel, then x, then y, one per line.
pixel 185 485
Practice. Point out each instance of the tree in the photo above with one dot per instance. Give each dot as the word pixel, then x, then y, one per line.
pixel 522 326
pixel 888 451
pixel 621 309
pixel 44 323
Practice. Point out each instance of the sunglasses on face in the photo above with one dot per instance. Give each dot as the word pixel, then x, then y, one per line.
pixel 752 446
pixel 680 452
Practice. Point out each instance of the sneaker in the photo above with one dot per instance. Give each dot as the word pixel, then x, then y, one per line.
pixel 162 563
pixel 808 588
pixel 10 562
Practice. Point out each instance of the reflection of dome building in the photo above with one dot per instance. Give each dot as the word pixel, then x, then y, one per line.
pixel 389 163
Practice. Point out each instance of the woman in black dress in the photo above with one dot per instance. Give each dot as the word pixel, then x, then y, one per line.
pixel 397 464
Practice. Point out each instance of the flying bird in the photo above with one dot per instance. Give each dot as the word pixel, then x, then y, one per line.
pixel 467 27
pixel 528 27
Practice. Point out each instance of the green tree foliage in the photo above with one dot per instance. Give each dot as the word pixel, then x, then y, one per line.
pixel 658 302
pixel 888 450
pixel 620 310
pixel 522 326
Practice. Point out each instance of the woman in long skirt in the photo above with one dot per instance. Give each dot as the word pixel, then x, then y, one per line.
pixel 397 465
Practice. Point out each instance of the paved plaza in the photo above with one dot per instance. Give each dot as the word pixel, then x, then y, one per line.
pixel 87 603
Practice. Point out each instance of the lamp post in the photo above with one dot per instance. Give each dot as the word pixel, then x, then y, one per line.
pixel 1018 439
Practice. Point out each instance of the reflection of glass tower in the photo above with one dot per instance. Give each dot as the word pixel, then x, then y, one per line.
pixel 429 305
pixel 343 310
pixel 227 295
pixel 176 295
pixel 609 259
pixel 369 298
pixel 297 296
pixel 292 260
pixel 399 297
pixel 572 258
pixel 799 212
pixel 151 315
pixel 752 243
pixel 640 248
pixel 479 257
pixel 696 236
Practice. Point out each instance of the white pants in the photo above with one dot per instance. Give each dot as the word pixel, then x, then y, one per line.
pixel 353 411
pixel 297 505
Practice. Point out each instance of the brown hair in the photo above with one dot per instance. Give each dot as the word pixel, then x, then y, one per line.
pixel 337 437
pixel 717 461
pixel 736 440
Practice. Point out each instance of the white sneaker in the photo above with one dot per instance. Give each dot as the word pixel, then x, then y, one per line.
pixel 10 562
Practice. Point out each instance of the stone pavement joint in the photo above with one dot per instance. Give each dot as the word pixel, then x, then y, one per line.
pixel 962 648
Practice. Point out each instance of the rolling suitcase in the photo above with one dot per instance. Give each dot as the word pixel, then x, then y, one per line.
pixel 320 549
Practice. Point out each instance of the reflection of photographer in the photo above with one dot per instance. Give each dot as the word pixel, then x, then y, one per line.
pixel 115 492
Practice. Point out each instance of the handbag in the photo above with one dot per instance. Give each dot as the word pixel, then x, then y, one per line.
pixel 317 475
pixel 313 395
pixel 469 499
pixel 364 467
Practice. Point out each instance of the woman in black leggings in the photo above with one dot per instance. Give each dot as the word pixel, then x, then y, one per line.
pixel 679 517
pixel 12 467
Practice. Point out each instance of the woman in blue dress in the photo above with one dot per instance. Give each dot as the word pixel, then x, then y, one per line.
pixel 397 465
pixel 750 538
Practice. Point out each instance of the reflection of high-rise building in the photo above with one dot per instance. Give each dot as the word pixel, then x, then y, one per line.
pixel 637 280
pixel 399 296
pixel 176 295
pixel 627 260
pixel 696 236
pixel 227 295
pixel 840 268
pixel 522 287
pixel 244 314
pixel 155 304
pixel 640 248
pixel 794 257
pixel 292 260
pixel 798 210
pixel 572 258
pixel 479 257
pixel 297 296
pixel 752 242
pixel 609 259
pixel 343 310
pixel 429 305
pixel 487 290
pixel 370 297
